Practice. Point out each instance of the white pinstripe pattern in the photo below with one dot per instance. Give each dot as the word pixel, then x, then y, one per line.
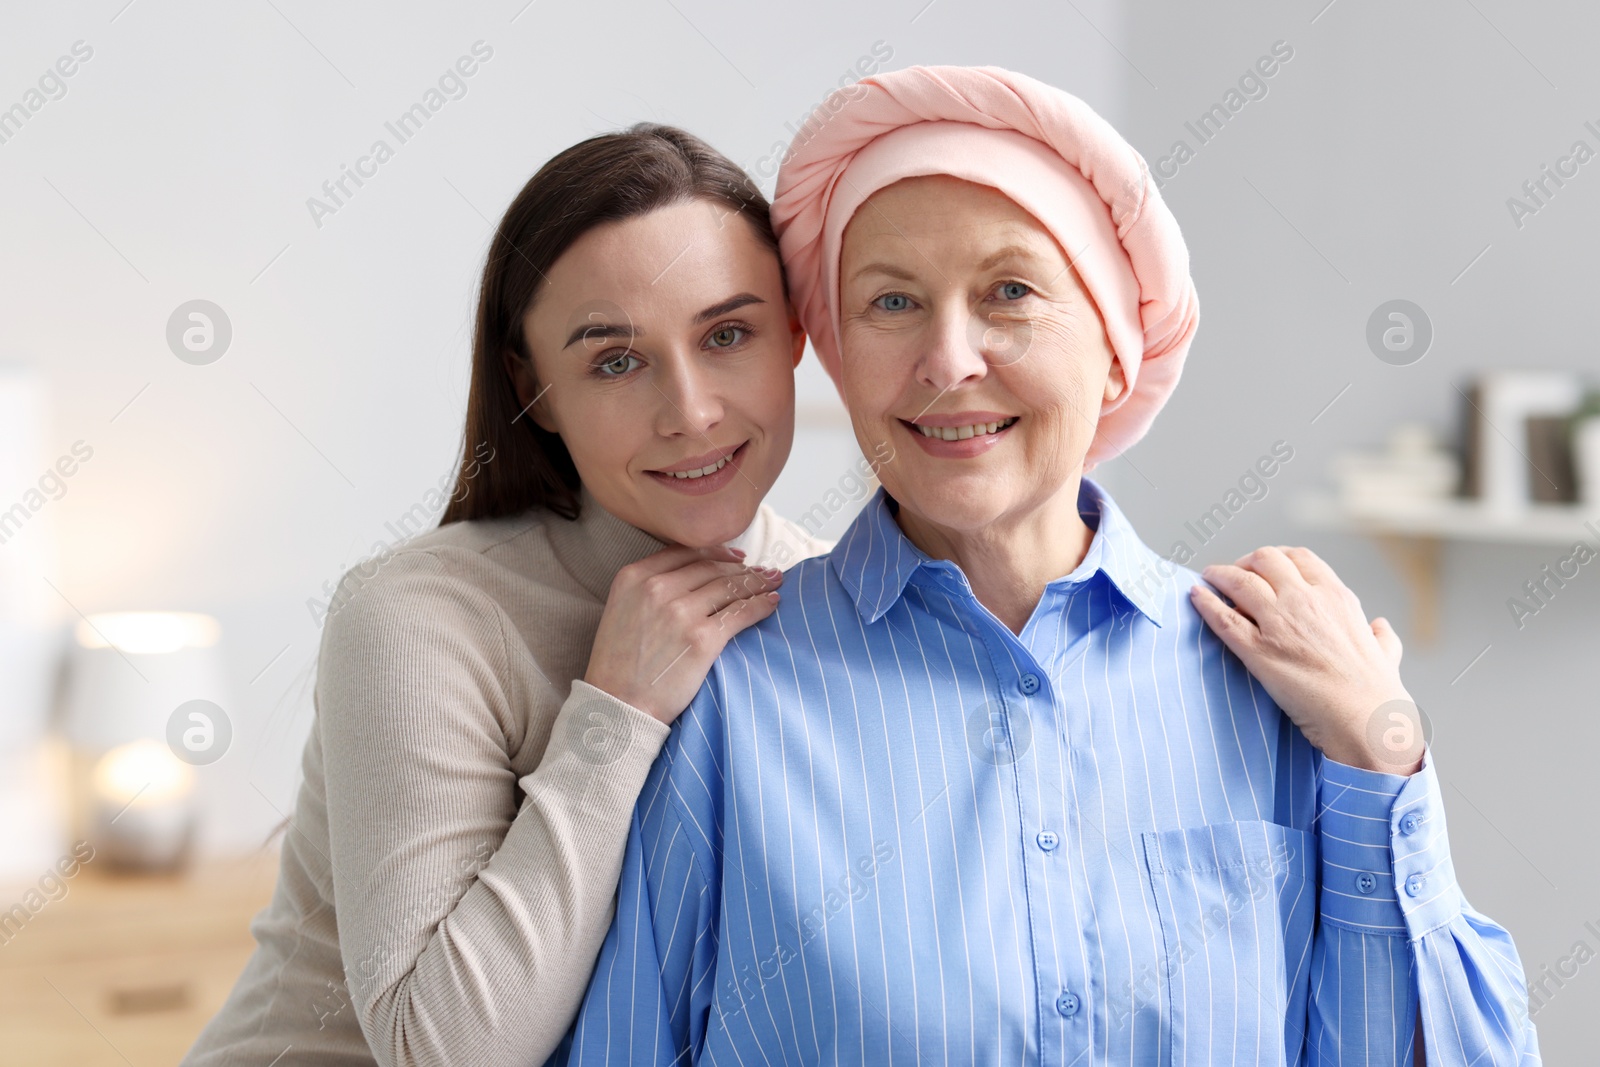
pixel 831 863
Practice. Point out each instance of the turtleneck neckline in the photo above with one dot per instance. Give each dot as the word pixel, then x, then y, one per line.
pixel 596 545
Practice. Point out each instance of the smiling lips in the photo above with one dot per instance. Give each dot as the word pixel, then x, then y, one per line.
pixel 701 474
pixel 961 434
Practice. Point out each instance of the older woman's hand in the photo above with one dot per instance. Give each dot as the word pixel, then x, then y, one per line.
pixel 1301 633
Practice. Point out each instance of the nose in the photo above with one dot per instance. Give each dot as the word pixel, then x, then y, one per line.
pixel 951 358
pixel 691 404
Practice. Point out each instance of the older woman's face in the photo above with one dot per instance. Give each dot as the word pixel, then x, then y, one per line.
pixel 960 314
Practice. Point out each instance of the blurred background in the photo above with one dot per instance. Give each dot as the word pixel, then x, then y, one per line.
pixel 221 386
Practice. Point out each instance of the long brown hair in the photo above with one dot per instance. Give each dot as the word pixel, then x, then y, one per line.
pixel 604 179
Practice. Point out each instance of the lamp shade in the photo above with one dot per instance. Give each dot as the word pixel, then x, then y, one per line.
pixel 128 672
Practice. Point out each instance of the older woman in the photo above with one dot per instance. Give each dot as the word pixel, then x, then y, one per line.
pixel 987 787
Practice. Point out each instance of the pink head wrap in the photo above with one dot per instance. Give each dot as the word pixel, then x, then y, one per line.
pixel 1046 150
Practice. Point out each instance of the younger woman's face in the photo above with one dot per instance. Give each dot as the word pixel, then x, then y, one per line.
pixel 663 354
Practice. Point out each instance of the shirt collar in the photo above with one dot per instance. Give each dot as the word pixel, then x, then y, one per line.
pixel 875 560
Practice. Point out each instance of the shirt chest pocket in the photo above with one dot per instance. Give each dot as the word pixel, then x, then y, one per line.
pixel 1237 903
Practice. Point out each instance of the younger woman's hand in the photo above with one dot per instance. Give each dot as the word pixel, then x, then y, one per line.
pixel 668 617
pixel 1301 633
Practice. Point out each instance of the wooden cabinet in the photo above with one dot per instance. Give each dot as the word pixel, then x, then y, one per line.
pixel 126 969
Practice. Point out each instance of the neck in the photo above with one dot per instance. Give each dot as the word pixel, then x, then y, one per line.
pixel 1010 560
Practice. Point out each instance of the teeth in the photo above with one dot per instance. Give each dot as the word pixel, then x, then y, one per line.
pixel 961 433
pixel 703 471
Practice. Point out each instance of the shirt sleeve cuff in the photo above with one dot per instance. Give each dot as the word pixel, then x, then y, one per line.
pixel 1385 855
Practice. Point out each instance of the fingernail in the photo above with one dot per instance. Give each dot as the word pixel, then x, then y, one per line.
pixel 771 572
pixel 737 552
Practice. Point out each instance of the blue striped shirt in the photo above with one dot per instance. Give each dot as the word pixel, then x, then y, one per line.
pixel 890 831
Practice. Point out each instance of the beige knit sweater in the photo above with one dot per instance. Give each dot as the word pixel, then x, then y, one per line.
pixel 452 866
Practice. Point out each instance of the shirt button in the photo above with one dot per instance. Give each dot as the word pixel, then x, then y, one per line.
pixel 1067 1004
pixel 1030 684
pixel 1409 824
pixel 1366 882
pixel 1047 839
pixel 1416 884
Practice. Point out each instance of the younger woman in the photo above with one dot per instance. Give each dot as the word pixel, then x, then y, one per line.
pixel 489 702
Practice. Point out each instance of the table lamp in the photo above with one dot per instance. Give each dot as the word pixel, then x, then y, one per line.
pixel 133 679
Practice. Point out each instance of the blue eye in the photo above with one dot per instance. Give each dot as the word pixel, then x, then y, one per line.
pixel 617 366
pixel 1015 290
pixel 893 301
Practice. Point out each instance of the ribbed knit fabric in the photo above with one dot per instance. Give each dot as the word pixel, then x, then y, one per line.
pixel 452 865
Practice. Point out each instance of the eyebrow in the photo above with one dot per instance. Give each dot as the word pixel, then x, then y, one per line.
pixel 885 268
pixel 733 303
pixel 1000 255
pixel 610 331
pixel 601 332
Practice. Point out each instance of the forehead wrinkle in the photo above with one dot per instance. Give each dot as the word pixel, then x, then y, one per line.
pixel 898 232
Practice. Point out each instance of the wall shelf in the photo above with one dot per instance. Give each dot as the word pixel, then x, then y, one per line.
pixel 1412 535
pixel 1451 519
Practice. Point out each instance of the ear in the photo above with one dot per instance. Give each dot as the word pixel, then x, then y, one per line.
pixel 798 335
pixel 527 388
pixel 1116 381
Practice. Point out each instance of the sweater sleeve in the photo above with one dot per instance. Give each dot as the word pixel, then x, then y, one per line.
pixel 651 1001
pixel 468 926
